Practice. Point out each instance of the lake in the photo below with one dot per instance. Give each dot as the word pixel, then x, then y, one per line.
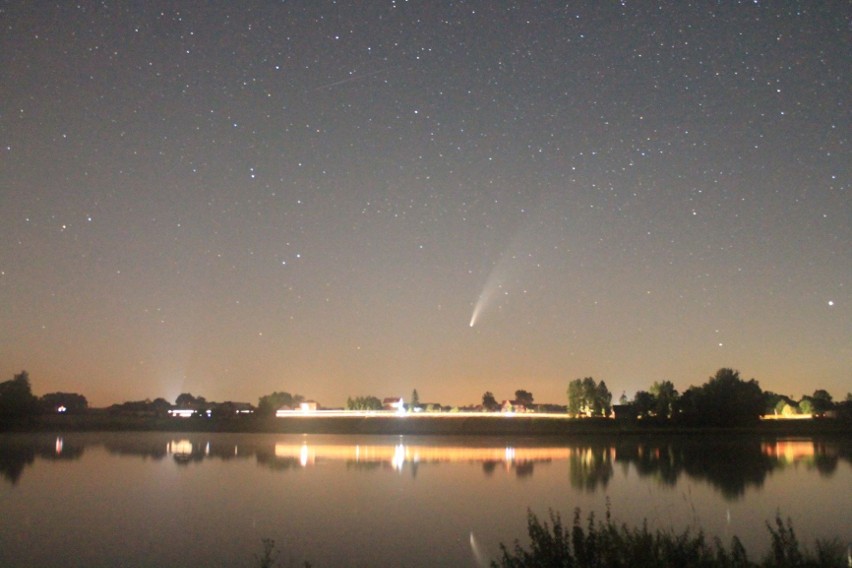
pixel 167 499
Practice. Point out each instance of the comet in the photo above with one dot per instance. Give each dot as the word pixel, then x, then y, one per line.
pixel 516 263
pixel 492 286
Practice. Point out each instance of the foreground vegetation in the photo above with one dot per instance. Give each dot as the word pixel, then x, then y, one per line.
pixel 606 544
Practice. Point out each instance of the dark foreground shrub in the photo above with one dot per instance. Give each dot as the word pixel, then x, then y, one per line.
pixel 269 557
pixel 605 544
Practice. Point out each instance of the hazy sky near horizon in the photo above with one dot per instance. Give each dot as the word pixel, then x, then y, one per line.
pixel 340 198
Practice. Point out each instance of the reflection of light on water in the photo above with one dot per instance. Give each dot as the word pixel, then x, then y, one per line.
pixel 789 450
pixel 398 459
pixel 418 453
pixel 510 454
pixel 59 443
pixel 179 447
pixel 305 454
pixel 207 449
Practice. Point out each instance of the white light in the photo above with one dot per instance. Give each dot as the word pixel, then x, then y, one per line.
pixel 182 412
pixel 398 459
pixel 180 447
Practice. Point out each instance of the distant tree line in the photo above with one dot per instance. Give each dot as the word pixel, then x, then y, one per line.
pixel 157 407
pixel 268 404
pixel 16 397
pixel 725 400
pixel 18 401
pixel 523 402
pixel 586 397
pixel 363 403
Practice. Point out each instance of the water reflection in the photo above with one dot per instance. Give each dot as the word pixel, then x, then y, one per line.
pixel 591 467
pixel 823 457
pixel 401 456
pixel 18 452
pixel 732 465
pixel 729 466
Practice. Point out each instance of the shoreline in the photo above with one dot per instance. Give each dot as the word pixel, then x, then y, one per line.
pixel 450 425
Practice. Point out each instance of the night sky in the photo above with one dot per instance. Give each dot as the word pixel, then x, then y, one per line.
pixel 349 198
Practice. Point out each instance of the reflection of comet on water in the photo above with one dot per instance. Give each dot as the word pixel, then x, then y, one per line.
pixel 478 554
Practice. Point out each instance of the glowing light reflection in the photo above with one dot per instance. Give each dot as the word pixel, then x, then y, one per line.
pixel 179 447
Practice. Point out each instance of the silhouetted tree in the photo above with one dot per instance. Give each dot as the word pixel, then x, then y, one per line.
pixel 186 400
pixel 724 400
pixel 71 402
pixel 363 403
pixel 268 404
pixel 524 398
pixel 161 405
pixel 844 408
pixel 16 397
pixel 687 408
pixel 644 404
pixel 821 402
pixel 590 388
pixel 588 397
pixel 415 399
pixel 575 397
pixel 665 399
pixel 489 402
pixel 603 400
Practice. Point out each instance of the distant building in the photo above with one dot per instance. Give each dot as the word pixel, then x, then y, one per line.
pixel 512 406
pixel 182 412
pixel 624 411
pixel 395 404
pixel 230 408
pixel 304 407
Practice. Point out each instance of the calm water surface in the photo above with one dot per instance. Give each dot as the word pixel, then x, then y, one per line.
pixel 164 499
